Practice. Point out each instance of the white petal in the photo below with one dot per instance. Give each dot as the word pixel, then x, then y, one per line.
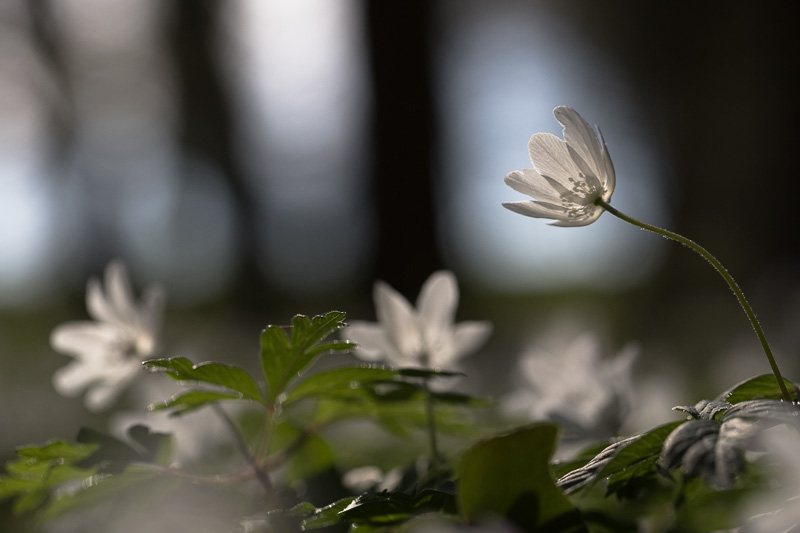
pixel 531 209
pixel 371 340
pixel 466 338
pixel 70 380
pixel 96 303
pixel 118 289
pixel 551 158
pixel 608 168
pixel 575 222
pixel 85 340
pixel 103 393
pixel 582 138
pixel 436 306
pixel 398 321
pixel 528 181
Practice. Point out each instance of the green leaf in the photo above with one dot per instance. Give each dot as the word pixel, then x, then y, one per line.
pixel 39 469
pixel 509 476
pixel 229 377
pixel 325 516
pixel 757 388
pixel 57 450
pixel 337 382
pixel 428 373
pixel 286 354
pixel 187 401
pixel 647 446
pixel 99 488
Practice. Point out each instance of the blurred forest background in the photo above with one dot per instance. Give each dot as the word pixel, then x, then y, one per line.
pixel 260 158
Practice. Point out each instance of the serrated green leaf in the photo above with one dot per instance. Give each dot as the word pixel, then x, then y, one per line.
pixel 647 446
pixel 326 516
pixel 57 449
pixel 760 387
pixel 509 476
pixel 188 401
pixel 285 355
pixel 337 382
pixel 99 488
pixel 223 375
pixel 40 469
pixel 560 468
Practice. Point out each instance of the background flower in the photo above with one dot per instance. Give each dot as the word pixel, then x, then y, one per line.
pixel 425 336
pixel 568 381
pixel 108 350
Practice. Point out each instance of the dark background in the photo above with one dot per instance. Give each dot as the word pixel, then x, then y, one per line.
pixel 261 159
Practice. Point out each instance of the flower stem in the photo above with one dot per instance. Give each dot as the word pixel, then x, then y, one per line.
pixel 431 415
pixel 705 254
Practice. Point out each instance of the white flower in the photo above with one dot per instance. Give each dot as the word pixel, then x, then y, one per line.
pixel 108 350
pixel 568 176
pixel 423 336
pixel 572 384
pixel 366 478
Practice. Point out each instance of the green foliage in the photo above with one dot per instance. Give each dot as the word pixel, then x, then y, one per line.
pixel 232 378
pixel 760 387
pixel 39 469
pixel 509 476
pixel 190 400
pixel 286 354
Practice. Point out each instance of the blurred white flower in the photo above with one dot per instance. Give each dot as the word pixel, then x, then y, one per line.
pixel 425 336
pixel 573 385
pixel 108 350
pixel 778 508
pixel 567 176
pixel 366 478
pixel 194 435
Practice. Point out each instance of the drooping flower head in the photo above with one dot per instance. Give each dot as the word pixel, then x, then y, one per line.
pixel 427 335
pixel 568 175
pixel 108 350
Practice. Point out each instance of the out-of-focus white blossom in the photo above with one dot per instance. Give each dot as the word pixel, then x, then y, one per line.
pixel 366 478
pixel 568 175
pixel 570 382
pixel 108 350
pixel 778 508
pixel 425 336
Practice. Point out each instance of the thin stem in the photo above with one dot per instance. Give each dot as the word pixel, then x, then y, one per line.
pixel 705 254
pixel 262 476
pixel 431 416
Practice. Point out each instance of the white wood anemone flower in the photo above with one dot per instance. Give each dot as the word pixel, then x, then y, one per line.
pixel 426 336
pixel 569 381
pixel 568 176
pixel 109 349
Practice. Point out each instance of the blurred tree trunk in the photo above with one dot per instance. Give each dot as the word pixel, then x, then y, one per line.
pixel 207 127
pixel 404 139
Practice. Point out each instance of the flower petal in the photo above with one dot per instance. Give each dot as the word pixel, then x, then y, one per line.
pixel 466 338
pixel 73 378
pixel 551 158
pixel 118 289
pixel 371 339
pixel 398 320
pixel 436 307
pixel 582 137
pixel 532 209
pixel 84 340
pixel 529 182
pixel 103 393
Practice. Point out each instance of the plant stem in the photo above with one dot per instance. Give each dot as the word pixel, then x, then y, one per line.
pixel 262 476
pixel 705 254
pixel 431 415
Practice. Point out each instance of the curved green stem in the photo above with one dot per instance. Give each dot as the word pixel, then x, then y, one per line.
pixel 705 254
